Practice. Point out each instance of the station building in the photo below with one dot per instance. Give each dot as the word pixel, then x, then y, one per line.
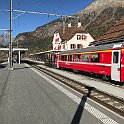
pixel 71 37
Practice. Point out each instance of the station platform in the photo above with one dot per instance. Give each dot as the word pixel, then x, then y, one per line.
pixel 111 89
pixel 29 98
pixel 105 87
pixel 4 74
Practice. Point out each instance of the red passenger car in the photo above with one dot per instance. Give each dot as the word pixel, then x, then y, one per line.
pixel 106 60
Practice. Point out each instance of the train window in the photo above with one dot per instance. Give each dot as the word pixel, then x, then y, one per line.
pixel 115 57
pixel 95 57
pixel 85 57
pixel 52 57
pixel 64 58
pixel 71 58
pixel 78 56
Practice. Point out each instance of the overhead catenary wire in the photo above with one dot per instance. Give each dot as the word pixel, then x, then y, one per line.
pixel 18 15
pixel 63 17
pixel 44 13
pixel 40 13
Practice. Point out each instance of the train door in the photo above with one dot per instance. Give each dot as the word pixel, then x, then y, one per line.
pixel 115 69
pixel 58 59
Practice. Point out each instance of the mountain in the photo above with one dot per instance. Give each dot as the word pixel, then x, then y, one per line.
pixel 97 18
pixel 101 15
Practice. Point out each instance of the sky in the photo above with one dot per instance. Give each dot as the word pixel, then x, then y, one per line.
pixel 29 22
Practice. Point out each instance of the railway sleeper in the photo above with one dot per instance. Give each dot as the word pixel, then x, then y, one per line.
pixel 111 104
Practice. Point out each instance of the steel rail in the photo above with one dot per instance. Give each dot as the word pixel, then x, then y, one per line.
pixel 113 103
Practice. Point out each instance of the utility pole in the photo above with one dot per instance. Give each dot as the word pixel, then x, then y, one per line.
pixel 64 20
pixel 10 43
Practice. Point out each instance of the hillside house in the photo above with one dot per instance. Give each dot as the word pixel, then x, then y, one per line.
pixel 71 38
pixel 114 34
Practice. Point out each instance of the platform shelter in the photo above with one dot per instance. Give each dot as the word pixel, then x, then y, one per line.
pixel 17 51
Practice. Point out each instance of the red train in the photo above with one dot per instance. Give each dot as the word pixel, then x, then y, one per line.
pixel 105 60
pixel 48 58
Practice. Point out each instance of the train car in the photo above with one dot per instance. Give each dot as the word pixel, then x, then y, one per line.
pixel 49 58
pixel 104 60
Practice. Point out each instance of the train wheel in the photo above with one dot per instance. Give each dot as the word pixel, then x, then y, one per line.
pixel 91 74
pixel 105 78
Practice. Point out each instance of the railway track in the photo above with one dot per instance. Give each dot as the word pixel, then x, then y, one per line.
pixel 88 76
pixel 107 100
pixel 108 82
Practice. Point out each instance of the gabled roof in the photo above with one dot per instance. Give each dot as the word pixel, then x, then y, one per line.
pixel 114 33
pixel 69 32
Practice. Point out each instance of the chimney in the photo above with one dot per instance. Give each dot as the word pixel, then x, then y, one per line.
pixel 79 24
pixel 69 25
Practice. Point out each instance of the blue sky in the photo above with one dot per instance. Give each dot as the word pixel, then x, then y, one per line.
pixel 29 22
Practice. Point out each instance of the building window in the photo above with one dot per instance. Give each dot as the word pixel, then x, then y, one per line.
pixel 95 57
pixel 64 46
pixel 59 47
pixel 81 37
pixel 78 37
pixel 78 46
pixel 57 40
pixel 72 46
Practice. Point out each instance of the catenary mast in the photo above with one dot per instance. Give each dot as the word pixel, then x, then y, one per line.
pixel 10 43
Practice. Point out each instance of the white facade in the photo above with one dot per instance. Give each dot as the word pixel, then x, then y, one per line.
pixel 79 40
pixel 56 41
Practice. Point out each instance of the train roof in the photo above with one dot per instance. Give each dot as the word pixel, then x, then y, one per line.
pixel 43 52
pixel 49 51
pixel 95 48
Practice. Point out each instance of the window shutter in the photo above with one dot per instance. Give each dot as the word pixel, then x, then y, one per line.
pixel 81 45
pixel 74 46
